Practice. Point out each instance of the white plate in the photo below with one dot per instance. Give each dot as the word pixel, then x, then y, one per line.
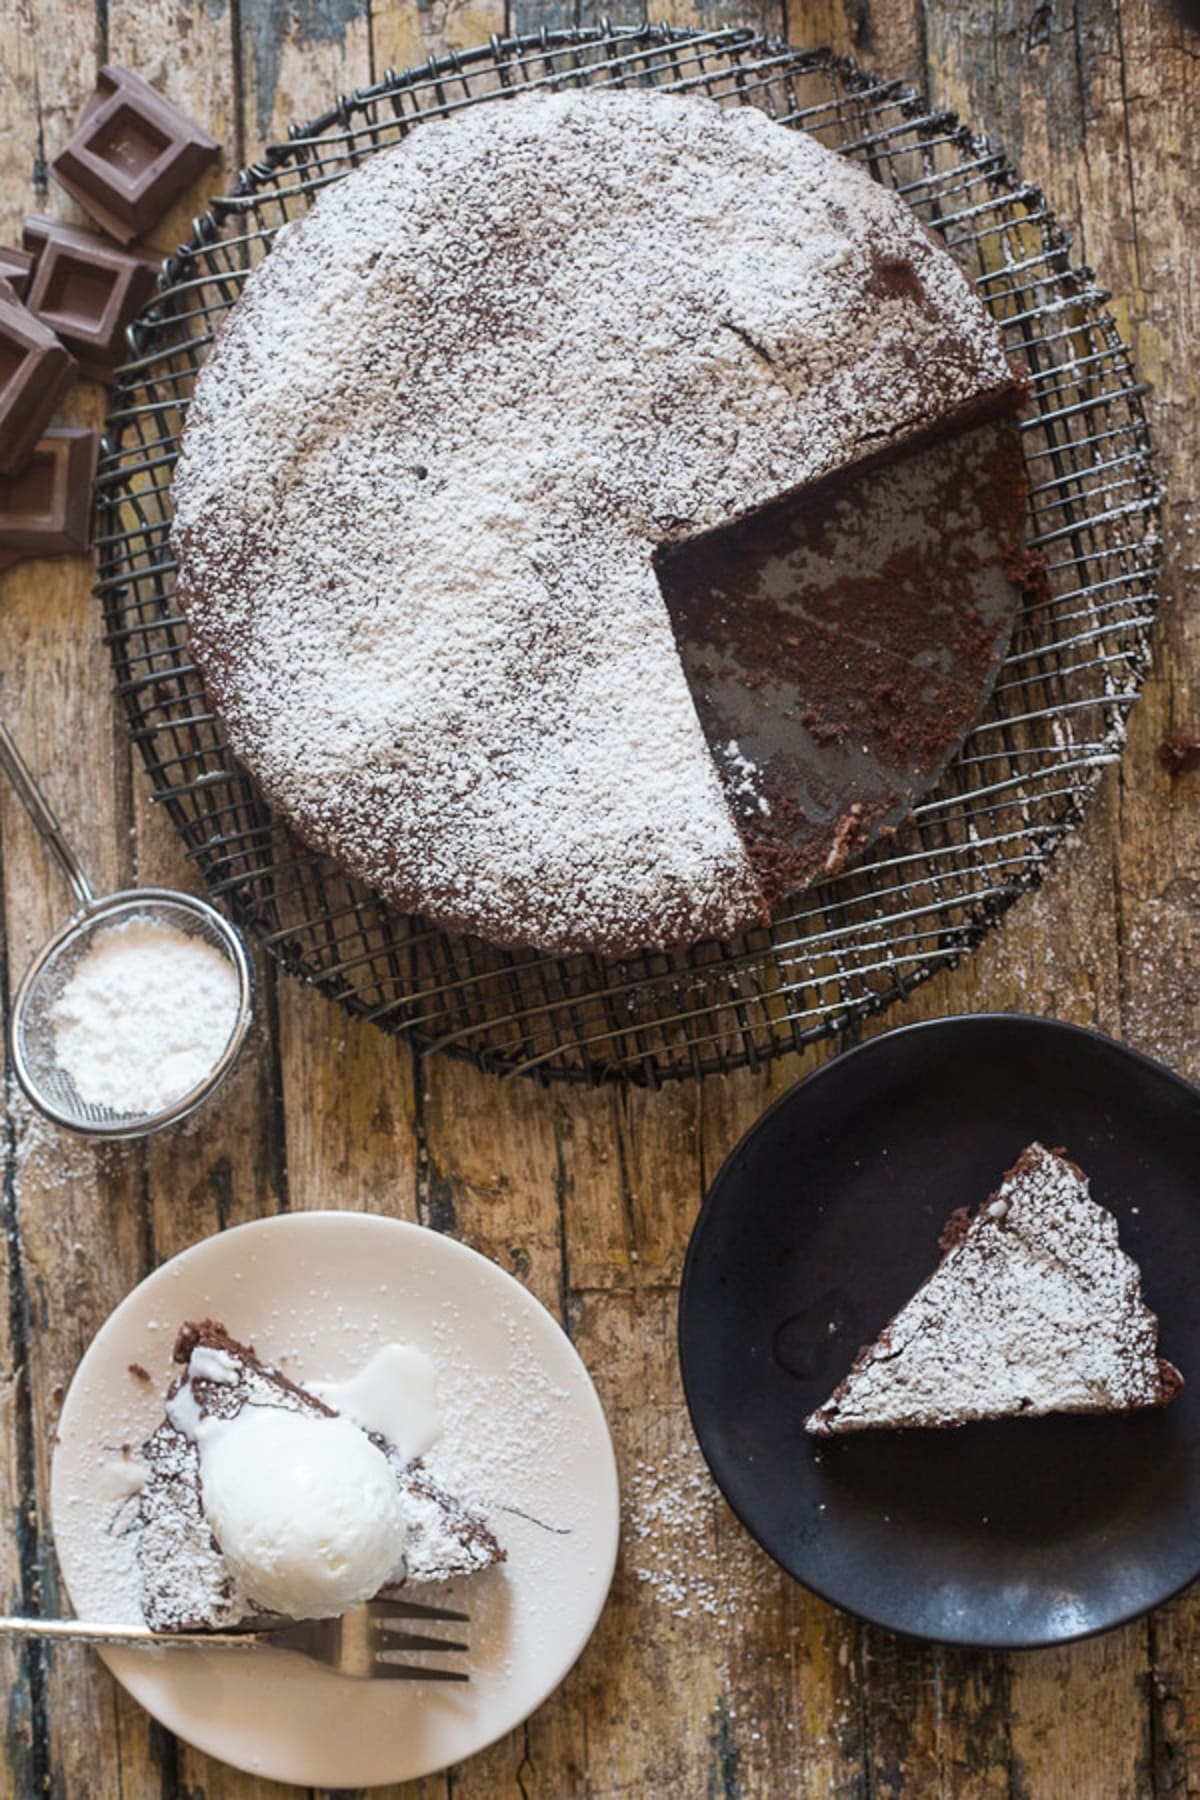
pixel 524 1435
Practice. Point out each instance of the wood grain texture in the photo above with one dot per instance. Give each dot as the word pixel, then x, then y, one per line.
pixel 76 1219
pixel 710 1674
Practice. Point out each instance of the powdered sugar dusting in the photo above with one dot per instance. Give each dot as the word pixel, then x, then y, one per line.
pixel 685 1545
pixel 415 540
pixel 144 1016
pixel 1034 1308
pixel 742 779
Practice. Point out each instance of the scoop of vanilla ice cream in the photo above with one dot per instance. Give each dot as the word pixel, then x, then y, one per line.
pixel 305 1509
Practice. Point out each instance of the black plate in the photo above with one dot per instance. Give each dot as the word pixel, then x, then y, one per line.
pixel 818 1228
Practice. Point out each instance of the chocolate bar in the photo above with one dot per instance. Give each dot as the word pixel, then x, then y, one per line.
pixel 87 290
pixel 46 509
pixel 132 154
pixel 35 372
pixel 16 269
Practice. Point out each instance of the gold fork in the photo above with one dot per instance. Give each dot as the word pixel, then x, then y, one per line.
pixel 360 1644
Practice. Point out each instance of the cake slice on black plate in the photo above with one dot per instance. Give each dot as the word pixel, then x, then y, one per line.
pixel 1034 1308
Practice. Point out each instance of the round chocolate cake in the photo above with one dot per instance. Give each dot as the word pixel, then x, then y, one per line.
pixel 446 432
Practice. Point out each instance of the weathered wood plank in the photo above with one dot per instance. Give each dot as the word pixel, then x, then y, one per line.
pixel 1080 1720
pixel 221 1166
pixel 1048 87
pixel 805 1734
pixel 21 1671
pixel 888 35
pixel 937 1719
pixel 74 1209
pixel 407 32
pixel 350 1114
pixel 296 60
pixel 18 1774
pixel 346 1137
pixel 716 15
pixel 825 22
pixel 661 1630
pixel 1141 156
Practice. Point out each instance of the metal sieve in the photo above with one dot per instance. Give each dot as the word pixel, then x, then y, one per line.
pixel 32 1046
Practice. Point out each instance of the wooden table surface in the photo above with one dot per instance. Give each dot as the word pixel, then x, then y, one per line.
pixel 710 1674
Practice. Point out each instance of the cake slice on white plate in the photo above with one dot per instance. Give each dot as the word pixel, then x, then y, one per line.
pixel 261 1500
pixel 1034 1308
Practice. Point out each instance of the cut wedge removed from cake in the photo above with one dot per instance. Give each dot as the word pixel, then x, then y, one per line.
pixel 1033 1309
pixel 261 1500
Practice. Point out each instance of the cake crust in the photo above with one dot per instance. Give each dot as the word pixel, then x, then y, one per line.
pixel 416 544
pixel 1033 1309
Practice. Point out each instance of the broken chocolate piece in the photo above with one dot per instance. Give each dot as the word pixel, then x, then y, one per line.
pixel 16 269
pixel 87 290
pixel 132 154
pixel 35 372
pixel 46 509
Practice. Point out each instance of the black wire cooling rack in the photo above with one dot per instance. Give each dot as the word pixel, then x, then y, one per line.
pixel 840 951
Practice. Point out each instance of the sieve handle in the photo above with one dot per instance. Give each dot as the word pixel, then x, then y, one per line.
pixel 49 829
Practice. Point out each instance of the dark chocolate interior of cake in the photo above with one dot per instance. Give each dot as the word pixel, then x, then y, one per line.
pixel 840 643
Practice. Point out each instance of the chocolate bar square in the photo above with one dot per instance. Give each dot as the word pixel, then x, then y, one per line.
pixel 35 372
pixel 132 154
pixel 16 268
pixel 87 290
pixel 46 510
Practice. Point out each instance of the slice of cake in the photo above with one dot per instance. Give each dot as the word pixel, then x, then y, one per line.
pixel 251 1551
pixel 1034 1308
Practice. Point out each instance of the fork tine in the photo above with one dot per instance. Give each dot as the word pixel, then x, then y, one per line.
pixel 410 1640
pixel 413 1609
pixel 390 1671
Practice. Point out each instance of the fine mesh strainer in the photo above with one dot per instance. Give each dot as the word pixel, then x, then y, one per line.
pixel 32 1043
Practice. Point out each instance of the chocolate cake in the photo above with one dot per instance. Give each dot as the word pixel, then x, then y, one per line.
pixel 186 1582
pixel 445 433
pixel 1033 1309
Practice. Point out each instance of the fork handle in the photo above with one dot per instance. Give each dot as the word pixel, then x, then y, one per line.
pixel 80 1631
